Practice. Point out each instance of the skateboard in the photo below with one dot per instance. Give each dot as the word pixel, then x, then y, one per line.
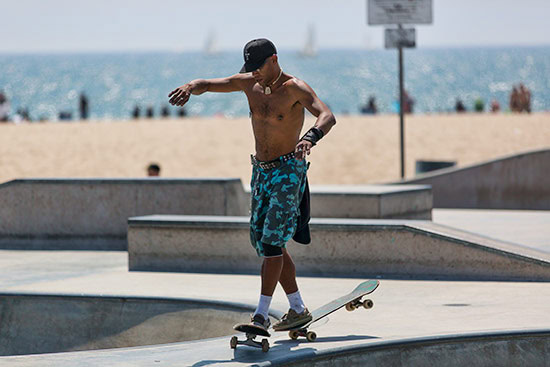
pixel 251 331
pixel 351 301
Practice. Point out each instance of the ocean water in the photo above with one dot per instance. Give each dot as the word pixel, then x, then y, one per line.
pixel 344 79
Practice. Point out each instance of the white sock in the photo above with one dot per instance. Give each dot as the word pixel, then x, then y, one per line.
pixel 296 302
pixel 263 306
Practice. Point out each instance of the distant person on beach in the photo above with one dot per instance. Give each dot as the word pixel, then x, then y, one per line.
pixel 136 112
pixel 149 112
pixel 83 106
pixel 279 210
pixel 479 105
pixel 520 99
pixel 408 103
pixel 459 106
pixel 21 115
pixel 65 115
pixel 153 170
pixel 495 106
pixel 514 100
pixel 4 108
pixel 370 108
pixel 165 111
pixel 524 98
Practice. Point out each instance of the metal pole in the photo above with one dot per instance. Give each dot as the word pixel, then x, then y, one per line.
pixel 401 113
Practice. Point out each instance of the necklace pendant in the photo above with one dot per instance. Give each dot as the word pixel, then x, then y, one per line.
pixel 267 90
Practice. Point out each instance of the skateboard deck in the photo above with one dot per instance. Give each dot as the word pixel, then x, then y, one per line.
pixel 251 331
pixel 351 301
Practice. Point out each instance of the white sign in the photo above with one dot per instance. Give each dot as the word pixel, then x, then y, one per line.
pixel 399 12
pixel 400 37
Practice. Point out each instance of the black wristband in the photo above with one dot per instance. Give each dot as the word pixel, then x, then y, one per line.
pixel 313 135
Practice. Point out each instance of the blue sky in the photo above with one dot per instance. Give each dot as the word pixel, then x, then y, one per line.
pixel 30 26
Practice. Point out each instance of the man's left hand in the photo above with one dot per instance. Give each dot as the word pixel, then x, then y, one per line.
pixel 303 148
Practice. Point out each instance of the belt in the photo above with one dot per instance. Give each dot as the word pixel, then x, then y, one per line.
pixel 274 163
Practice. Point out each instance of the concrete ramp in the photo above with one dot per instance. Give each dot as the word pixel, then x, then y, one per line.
pixel 518 181
pixel 514 348
pixel 33 324
pixel 340 248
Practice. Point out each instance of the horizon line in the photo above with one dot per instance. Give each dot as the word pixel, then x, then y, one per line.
pixel 282 49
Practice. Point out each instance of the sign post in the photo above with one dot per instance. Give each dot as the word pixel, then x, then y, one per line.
pixel 401 110
pixel 399 12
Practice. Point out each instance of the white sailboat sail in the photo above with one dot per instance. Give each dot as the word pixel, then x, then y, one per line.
pixel 211 46
pixel 310 46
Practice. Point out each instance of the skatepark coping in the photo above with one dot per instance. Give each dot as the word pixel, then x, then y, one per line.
pixel 495 348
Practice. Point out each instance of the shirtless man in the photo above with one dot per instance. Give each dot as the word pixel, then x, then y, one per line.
pixel 277 101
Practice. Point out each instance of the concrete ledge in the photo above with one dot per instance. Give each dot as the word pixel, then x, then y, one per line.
pixel 518 181
pixel 340 248
pixel 501 348
pixel 372 201
pixel 92 213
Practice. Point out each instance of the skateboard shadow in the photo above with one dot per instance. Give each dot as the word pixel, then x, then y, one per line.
pixel 331 339
pixel 244 354
pixel 281 349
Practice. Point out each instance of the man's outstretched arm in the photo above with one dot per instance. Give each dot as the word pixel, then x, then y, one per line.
pixel 180 95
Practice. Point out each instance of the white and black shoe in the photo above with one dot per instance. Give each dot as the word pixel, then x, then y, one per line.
pixel 258 320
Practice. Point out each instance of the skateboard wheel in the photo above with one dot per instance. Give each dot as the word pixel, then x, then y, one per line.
pixel 368 304
pixel 265 345
pixel 233 342
pixel 293 334
pixel 311 336
pixel 350 307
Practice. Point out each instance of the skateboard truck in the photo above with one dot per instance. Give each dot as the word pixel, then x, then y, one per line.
pixel 356 303
pixel 264 344
pixel 310 335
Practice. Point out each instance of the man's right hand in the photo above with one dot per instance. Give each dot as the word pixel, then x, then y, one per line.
pixel 180 96
pixel 234 83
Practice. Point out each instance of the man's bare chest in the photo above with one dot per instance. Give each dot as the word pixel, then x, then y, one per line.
pixel 273 106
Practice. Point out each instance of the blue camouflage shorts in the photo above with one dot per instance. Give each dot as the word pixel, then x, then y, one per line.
pixel 276 194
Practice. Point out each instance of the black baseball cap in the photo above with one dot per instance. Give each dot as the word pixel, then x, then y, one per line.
pixel 256 52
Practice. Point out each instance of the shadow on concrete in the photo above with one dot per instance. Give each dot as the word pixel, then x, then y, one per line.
pixel 332 339
pixel 244 354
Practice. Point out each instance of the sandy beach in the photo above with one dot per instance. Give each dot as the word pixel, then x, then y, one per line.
pixel 359 149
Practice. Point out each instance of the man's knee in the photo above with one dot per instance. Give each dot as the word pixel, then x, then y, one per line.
pixel 272 251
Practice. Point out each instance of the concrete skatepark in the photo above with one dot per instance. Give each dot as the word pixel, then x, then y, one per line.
pixel 125 272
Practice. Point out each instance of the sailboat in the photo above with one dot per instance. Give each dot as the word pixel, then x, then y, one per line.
pixel 211 44
pixel 310 47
